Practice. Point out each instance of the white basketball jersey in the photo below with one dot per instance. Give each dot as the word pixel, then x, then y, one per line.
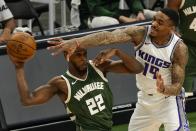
pixel 154 58
pixel 5 13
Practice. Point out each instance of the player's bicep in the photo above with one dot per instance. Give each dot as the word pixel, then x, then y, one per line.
pixel 133 33
pixel 180 59
pixel 44 93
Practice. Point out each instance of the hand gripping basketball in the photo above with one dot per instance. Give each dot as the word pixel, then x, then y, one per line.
pixel 21 47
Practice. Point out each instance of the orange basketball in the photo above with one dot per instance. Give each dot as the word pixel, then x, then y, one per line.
pixel 21 46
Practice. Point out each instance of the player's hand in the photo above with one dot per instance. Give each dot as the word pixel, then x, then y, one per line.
pixel 59 45
pixel 125 19
pixel 18 64
pixel 160 83
pixel 4 39
pixel 103 56
pixel 140 16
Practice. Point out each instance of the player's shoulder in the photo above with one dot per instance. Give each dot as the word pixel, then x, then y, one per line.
pixel 56 80
pixel 181 51
pixel 181 45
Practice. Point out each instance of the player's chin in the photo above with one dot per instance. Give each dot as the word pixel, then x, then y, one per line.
pixel 83 67
pixel 153 34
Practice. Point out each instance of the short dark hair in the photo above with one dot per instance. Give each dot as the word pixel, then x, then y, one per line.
pixel 172 14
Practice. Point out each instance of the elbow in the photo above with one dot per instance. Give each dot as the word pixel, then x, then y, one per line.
pixel 139 69
pixel 174 92
pixel 25 102
pixel 178 92
pixel 136 69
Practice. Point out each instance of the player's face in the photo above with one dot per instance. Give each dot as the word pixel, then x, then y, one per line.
pixel 79 59
pixel 161 25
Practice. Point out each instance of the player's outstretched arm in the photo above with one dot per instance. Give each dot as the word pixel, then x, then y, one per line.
pixel 126 64
pixel 56 86
pixel 133 33
pixel 180 59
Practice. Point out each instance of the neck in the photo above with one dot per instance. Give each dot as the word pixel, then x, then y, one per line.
pixel 78 73
pixel 161 40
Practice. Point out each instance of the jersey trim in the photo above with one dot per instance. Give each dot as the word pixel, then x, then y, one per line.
pixel 165 45
pixel 144 39
pixel 173 50
pixel 98 71
pixel 73 118
pixel 68 88
pixel 182 3
pixel 68 73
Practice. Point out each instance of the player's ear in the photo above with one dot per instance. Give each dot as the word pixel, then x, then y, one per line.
pixel 173 28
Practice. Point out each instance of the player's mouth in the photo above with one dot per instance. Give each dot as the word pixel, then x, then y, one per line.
pixel 83 64
pixel 153 30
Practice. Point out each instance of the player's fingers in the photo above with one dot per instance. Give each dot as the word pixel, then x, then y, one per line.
pixel 56 47
pixel 67 57
pixel 158 75
pixel 158 82
pixel 100 59
pixel 55 39
pixel 15 61
pixel 96 61
pixel 161 87
pixel 51 42
pixel 57 51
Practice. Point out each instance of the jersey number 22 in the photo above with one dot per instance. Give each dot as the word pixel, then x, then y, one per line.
pixel 95 104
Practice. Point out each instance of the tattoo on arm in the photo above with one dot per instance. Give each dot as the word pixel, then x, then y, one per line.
pixel 178 69
pixel 134 33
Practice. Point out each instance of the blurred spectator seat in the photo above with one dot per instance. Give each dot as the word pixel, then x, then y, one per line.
pixel 23 9
pixel 40 8
pixel 83 13
pixel 52 12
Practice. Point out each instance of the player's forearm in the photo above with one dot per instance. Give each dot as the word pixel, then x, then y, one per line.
pixel 177 82
pixel 130 62
pixel 22 86
pixel 172 90
pixel 9 27
pixel 103 38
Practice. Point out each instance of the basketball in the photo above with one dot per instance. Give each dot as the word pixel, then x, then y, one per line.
pixel 21 46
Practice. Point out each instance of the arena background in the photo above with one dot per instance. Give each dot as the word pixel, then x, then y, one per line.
pixel 52 115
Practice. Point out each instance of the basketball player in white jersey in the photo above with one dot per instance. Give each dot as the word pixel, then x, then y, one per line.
pixel 164 56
